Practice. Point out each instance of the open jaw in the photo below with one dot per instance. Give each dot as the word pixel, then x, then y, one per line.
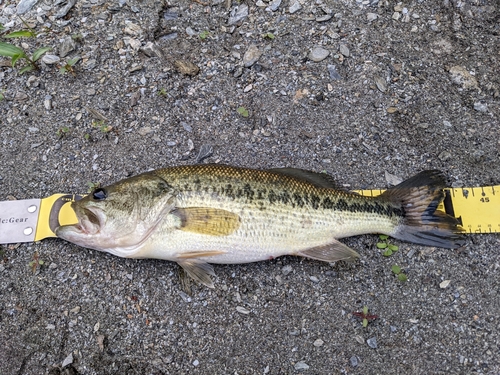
pixel 89 223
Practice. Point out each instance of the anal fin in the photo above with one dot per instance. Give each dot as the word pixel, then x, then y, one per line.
pixel 330 253
pixel 199 271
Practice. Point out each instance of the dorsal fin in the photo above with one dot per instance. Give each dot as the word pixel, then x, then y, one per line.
pixel 321 180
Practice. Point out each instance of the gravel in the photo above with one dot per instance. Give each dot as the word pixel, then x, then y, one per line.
pixel 159 84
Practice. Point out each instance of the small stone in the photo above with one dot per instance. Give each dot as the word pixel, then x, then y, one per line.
pixel 324 18
pixel 444 284
pixel 354 361
pixel 25 5
pixel 461 77
pixel 186 127
pixel 392 110
pixel 50 59
pixel 47 102
pixel 344 50
pixel 332 69
pixel 318 54
pixel 371 17
pixel 91 91
pixel 89 64
pixel 67 46
pixel 314 279
pixel 52 266
pixel 301 365
pixel 372 342
pixel 396 16
pixel 445 155
pixel 318 343
pixel 294 6
pixel 206 151
pixel 68 360
pixel 145 130
pixel 480 107
pixel 251 56
pixel 65 9
pixel 248 88
pixel 50 326
pixel 238 14
pixel 242 310
pixel 196 363
pixel 75 310
pixel 274 5
pixel 261 4
pixel 286 270
pixel 186 67
pixel 191 32
pixel 151 49
pixel 380 83
pixel 359 339
pixel 132 29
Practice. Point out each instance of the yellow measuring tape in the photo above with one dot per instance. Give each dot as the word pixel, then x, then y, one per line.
pixel 476 208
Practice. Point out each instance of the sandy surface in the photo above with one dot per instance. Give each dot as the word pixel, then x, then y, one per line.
pixel 405 87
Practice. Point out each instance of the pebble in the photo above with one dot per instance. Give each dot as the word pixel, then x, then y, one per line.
pixel 480 107
pixel 145 130
pixel 301 365
pixel 248 88
pixel 251 56
pixel 318 54
pixel 324 18
pixel 314 279
pixel 75 310
pixel 242 310
pixel 461 77
pixel 318 343
pixel 47 102
pixel 196 363
pixel 89 64
pixel 67 45
pixel 380 83
pixel 24 6
pixel 274 5
pixel 372 342
pixel 50 326
pixel 151 49
pixel 344 50
pixel 333 72
pixel 396 16
pixel 444 284
pixel 65 9
pixel 238 14
pixel 132 29
pixel 186 67
pixel 286 270
pixel 51 59
pixel 354 361
pixel 68 360
pixel 371 16
pixel 294 6
pixel 206 151
pixel 186 127
pixel 445 155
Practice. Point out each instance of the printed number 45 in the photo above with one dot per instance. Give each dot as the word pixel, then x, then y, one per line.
pixel 485 199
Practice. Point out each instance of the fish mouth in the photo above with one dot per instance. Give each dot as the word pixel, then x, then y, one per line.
pixel 89 222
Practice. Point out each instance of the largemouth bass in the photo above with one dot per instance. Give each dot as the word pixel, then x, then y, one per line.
pixel 200 214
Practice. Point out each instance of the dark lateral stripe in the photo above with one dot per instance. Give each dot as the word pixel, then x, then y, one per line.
pixel 262 196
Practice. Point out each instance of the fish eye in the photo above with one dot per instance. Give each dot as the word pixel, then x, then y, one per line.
pixel 99 194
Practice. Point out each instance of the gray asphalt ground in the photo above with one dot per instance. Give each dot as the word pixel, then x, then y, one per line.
pixel 405 87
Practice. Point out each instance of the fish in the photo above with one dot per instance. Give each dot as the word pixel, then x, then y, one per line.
pixel 198 215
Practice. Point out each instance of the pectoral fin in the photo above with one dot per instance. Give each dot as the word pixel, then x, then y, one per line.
pixel 330 253
pixel 198 270
pixel 206 220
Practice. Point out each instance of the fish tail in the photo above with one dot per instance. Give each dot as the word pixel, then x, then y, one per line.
pixel 418 198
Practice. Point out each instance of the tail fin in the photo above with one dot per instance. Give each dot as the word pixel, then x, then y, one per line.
pixel 418 198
